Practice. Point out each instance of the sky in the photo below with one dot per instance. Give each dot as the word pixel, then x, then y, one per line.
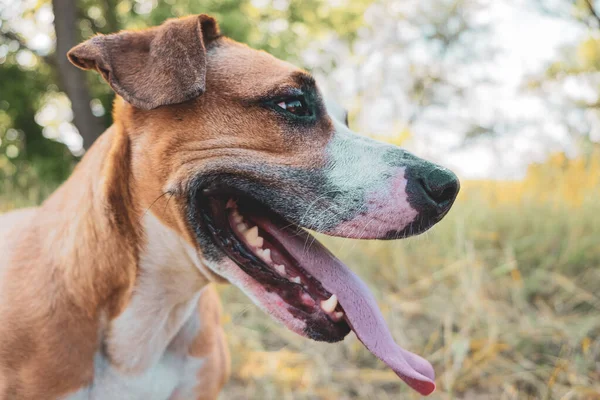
pixel 373 78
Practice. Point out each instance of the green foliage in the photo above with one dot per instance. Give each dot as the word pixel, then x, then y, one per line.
pixel 24 151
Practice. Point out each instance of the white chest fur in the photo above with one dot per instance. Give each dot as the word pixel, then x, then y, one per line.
pixel 146 348
pixel 172 372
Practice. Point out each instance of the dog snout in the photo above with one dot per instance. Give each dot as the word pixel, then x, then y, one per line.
pixel 436 188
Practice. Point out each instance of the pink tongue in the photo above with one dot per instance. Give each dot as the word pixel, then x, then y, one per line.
pixel 359 305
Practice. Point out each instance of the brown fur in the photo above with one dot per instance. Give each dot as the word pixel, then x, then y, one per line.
pixel 68 268
pixel 55 285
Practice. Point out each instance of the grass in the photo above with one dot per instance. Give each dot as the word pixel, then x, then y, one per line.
pixel 503 297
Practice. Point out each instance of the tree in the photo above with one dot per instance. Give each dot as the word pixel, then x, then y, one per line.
pixel 73 80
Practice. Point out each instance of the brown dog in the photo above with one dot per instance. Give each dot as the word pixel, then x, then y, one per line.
pixel 218 156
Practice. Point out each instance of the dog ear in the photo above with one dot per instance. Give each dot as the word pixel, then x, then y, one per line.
pixel 154 67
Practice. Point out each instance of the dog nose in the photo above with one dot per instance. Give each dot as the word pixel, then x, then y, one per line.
pixel 441 186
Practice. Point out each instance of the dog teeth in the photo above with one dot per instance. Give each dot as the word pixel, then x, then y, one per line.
pixel 280 269
pixel 251 234
pixel 266 255
pixel 252 237
pixel 237 217
pixel 235 214
pixel 338 314
pixel 330 304
pixel 296 279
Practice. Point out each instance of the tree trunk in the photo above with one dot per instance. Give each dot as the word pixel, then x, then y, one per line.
pixel 73 79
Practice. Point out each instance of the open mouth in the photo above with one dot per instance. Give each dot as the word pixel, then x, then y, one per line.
pixel 290 270
pixel 248 233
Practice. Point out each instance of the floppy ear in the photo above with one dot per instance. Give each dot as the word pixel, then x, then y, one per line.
pixel 154 67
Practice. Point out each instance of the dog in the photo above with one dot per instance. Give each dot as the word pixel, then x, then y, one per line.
pixel 218 160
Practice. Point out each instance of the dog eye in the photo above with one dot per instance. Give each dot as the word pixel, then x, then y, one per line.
pixel 295 105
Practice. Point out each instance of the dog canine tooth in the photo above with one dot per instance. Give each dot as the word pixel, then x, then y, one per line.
pixel 280 268
pixel 296 279
pixel 330 304
pixel 338 314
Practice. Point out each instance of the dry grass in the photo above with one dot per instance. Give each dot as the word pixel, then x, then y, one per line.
pixel 505 302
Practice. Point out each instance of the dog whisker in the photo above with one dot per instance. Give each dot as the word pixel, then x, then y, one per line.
pixel 154 202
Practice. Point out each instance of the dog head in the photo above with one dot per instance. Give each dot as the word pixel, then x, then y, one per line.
pixel 253 155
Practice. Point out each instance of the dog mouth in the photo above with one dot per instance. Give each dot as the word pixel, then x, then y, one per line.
pixel 297 280
pixel 249 234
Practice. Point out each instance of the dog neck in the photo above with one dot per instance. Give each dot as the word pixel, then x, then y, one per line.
pixel 96 234
pixel 165 296
pixel 131 272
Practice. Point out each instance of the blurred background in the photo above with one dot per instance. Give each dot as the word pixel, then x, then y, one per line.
pixel 503 296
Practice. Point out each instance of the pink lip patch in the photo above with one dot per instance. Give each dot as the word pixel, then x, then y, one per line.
pixel 362 313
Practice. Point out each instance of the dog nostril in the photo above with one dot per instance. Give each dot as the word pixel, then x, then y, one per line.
pixel 442 186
